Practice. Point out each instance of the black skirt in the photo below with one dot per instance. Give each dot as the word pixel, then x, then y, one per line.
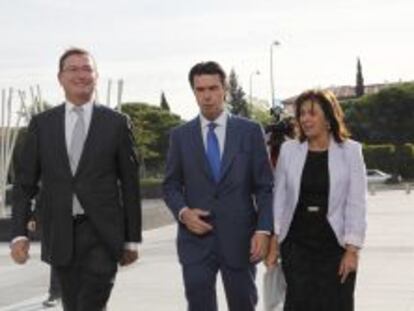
pixel 311 253
pixel 313 283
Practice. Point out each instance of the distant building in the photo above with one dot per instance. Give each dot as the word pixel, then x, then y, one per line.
pixel 345 92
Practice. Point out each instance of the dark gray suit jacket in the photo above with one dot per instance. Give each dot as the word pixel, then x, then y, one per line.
pixel 239 204
pixel 106 182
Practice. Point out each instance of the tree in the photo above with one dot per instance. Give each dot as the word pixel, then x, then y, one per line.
pixel 260 112
pixel 151 126
pixel 236 101
pixel 385 117
pixel 359 87
pixel 164 104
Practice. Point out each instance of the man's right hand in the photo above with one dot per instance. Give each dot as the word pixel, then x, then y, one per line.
pixel 192 219
pixel 20 251
pixel 128 257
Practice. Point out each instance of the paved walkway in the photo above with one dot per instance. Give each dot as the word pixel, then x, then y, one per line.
pixel 385 280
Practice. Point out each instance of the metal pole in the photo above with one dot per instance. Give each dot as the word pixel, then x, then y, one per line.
pixel 272 86
pixel 120 91
pixel 108 93
pixel 256 72
pixel 2 154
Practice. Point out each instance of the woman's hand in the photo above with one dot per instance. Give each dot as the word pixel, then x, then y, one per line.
pixel 272 257
pixel 349 262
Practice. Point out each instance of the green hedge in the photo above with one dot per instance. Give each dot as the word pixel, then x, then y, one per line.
pixel 379 157
pixel 406 161
pixel 151 188
pixel 396 160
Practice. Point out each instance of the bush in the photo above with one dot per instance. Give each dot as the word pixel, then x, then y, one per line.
pixel 406 161
pixel 397 160
pixel 379 157
pixel 151 188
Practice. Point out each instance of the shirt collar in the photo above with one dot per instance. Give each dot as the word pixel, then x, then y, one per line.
pixel 87 107
pixel 221 120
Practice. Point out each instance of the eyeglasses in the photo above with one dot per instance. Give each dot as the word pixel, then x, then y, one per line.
pixel 74 69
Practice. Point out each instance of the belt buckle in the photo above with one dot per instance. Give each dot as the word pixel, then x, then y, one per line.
pixel 313 209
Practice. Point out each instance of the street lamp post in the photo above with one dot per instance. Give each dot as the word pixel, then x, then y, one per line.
pixel 272 86
pixel 256 72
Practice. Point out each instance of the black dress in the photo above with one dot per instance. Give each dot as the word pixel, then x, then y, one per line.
pixel 310 253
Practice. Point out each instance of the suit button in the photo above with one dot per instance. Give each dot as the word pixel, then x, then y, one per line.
pixel 216 196
pixel 76 187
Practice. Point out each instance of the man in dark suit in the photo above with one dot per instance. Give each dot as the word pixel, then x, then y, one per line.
pixel 82 155
pixel 218 185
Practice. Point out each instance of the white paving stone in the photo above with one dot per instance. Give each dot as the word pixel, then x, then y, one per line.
pixel 385 279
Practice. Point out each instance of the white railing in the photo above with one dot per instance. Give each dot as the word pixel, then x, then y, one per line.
pixel 10 122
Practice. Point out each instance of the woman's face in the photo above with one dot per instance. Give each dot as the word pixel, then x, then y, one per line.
pixel 312 120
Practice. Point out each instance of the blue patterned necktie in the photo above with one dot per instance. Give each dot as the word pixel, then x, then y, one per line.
pixel 213 151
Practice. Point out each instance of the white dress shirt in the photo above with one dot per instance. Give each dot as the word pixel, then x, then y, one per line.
pixel 219 130
pixel 71 117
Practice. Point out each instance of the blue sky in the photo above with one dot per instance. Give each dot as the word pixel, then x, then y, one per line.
pixel 153 44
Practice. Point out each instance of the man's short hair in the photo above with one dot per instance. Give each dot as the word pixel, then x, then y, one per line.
pixel 70 52
pixel 207 68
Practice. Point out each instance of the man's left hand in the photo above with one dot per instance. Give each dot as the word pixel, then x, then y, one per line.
pixel 259 246
pixel 128 257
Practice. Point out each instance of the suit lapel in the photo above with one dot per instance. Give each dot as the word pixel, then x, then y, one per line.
pixel 335 166
pixel 61 139
pixel 95 129
pixel 297 168
pixel 198 146
pixel 231 144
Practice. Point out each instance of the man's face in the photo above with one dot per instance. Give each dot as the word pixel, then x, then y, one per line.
pixel 209 93
pixel 78 78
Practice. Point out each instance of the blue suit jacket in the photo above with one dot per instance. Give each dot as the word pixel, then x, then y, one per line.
pixel 240 203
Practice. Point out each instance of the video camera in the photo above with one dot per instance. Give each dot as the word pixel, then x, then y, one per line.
pixel 280 129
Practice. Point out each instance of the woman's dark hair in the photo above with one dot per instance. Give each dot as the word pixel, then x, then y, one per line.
pixel 207 68
pixel 331 109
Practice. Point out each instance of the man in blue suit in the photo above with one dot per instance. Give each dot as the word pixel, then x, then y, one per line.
pixel 218 185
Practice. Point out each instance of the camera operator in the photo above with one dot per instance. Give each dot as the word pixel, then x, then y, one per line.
pixel 277 132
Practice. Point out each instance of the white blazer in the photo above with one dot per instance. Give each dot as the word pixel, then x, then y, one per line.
pixel 347 189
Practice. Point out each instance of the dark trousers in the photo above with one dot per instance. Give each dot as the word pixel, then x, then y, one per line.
pixel 88 280
pixel 54 284
pixel 200 286
pixel 312 280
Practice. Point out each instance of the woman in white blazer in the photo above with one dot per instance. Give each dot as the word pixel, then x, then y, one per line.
pixel 319 208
